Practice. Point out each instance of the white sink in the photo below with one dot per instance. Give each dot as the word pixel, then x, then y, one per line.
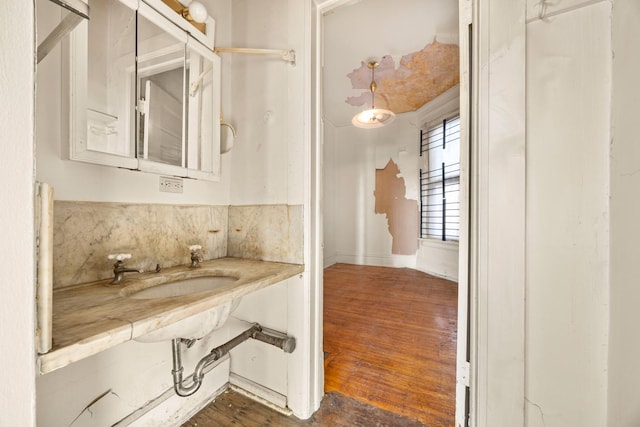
pixel 198 325
pixel 183 287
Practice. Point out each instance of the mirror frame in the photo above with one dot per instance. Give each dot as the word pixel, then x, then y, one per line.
pixel 76 66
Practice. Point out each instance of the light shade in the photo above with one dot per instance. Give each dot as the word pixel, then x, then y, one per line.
pixel 196 11
pixel 374 118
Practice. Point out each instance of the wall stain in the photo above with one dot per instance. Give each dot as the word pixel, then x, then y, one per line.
pixel 402 213
pixel 420 77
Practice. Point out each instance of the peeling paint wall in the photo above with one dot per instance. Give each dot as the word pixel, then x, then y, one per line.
pixel 402 213
pixel 371 193
pixel 357 234
pixel 419 78
pixel 353 231
pixel 414 41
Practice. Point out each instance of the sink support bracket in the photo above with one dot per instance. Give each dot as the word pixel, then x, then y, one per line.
pixel 190 385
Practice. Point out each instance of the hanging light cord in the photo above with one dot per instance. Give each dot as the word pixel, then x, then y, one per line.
pixel 374 117
pixel 373 86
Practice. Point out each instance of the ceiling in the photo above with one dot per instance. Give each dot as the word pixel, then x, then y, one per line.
pixel 388 31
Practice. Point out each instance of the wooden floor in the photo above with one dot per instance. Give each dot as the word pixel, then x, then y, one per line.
pixel 336 410
pixel 390 339
pixel 390 342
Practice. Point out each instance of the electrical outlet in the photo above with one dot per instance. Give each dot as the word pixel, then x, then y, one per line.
pixel 170 184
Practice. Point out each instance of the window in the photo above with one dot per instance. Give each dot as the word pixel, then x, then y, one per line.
pixel 440 180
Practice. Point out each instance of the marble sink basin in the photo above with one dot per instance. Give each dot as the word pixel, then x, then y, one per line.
pixel 198 325
pixel 183 287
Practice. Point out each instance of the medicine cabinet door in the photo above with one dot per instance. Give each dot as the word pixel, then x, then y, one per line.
pixel 101 59
pixel 159 113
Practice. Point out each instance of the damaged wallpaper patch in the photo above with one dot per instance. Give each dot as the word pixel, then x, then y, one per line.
pixel 402 213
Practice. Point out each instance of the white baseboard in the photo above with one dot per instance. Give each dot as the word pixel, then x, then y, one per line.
pixel 397 261
pixel 438 258
pixel 260 393
pixel 451 278
pixel 401 261
pixel 329 261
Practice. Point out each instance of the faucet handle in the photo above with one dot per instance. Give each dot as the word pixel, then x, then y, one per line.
pixel 119 257
pixel 196 256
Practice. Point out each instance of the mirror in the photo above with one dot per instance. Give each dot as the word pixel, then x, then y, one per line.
pixel 109 60
pixel 161 92
pixel 159 113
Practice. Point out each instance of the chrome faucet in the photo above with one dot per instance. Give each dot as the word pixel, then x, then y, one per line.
pixel 196 256
pixel 119 268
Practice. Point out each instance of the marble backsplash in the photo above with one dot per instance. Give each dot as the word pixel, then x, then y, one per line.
pixel 85 233
pixel 266 232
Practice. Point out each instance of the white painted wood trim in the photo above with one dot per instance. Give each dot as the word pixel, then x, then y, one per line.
pixel 497 258
pixel 462 359
pixel 312 62
pixel 444 106
pixel 163 20
pixel 259 391
pixel 442 259
pixel 306 381
pixel 394 261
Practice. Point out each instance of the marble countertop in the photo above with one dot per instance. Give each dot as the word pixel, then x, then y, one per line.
pixel 93 317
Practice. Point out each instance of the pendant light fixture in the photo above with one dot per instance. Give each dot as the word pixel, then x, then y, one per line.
pixel 374 117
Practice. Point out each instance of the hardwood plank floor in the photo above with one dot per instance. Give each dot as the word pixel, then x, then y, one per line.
pixel 390 339
pixel 234 409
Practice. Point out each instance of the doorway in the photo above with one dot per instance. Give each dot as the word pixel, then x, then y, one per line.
pixel 363 239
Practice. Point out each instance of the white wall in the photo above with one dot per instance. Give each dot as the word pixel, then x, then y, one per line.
pixel 271 160
pixel 624 347
pixel 567 273
pixel 135 373
pixel 329 186
pixel 264 364
pixel 266 166
pixel 268 104
pixel 356 233
pixel 438 258
pixel 88 182
pixel 17 263
pixel 581 222
pixel 117 382
pixel 360 30
pixel 353 232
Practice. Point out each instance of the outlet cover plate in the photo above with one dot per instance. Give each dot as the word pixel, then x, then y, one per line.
pixel 170 184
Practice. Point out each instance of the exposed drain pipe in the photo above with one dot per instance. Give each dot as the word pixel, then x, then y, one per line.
pixel 286 343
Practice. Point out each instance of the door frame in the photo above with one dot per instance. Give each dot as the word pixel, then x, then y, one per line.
pixel 497 206
pixel 466 323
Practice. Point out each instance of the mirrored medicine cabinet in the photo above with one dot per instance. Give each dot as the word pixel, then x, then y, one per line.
pixel 144 91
